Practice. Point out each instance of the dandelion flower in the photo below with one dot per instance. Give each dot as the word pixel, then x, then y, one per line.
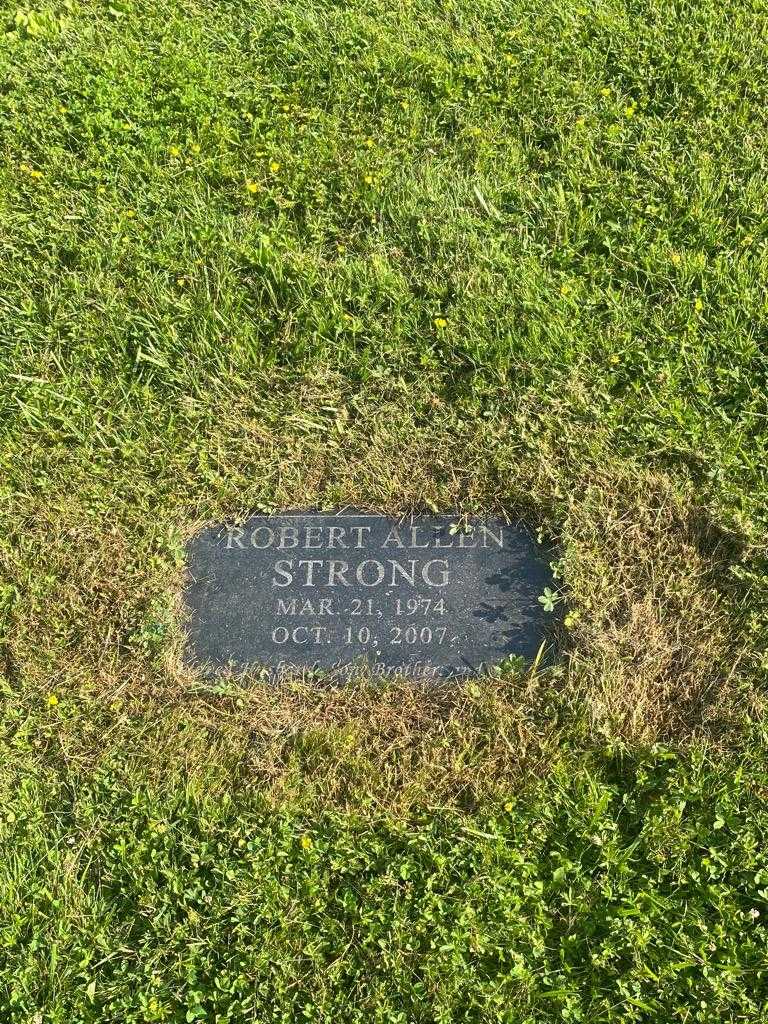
pixel 605 92
pixel 369 179
pixel 195 147
pixel 274 167
pixel 306 843
pixel 53 700
pixel 251 186
pixel 440 323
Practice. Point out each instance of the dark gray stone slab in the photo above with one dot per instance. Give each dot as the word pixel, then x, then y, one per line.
pixel 312 591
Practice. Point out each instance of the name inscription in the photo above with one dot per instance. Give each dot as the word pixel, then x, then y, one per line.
pixel 428 597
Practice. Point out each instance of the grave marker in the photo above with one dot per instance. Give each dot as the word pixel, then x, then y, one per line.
pixel 426 596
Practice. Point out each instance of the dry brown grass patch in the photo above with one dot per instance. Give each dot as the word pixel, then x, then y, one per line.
pixel 654 645
pixel 654 651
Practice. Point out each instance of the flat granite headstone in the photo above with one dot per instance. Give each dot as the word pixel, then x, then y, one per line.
pixel 422 597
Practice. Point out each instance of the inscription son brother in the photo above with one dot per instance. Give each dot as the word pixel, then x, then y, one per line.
pixel 421 598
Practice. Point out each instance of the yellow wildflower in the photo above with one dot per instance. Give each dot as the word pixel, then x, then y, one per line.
pixel 174 151
pixel 274 167
pixel 605 92
pixel 440 323
pixel 369 179
pixel 53 700
pixel 195 147
pixel 306 843
pixel 31 171
pixel 251 186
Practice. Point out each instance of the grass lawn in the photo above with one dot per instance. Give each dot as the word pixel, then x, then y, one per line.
pixel 487 258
